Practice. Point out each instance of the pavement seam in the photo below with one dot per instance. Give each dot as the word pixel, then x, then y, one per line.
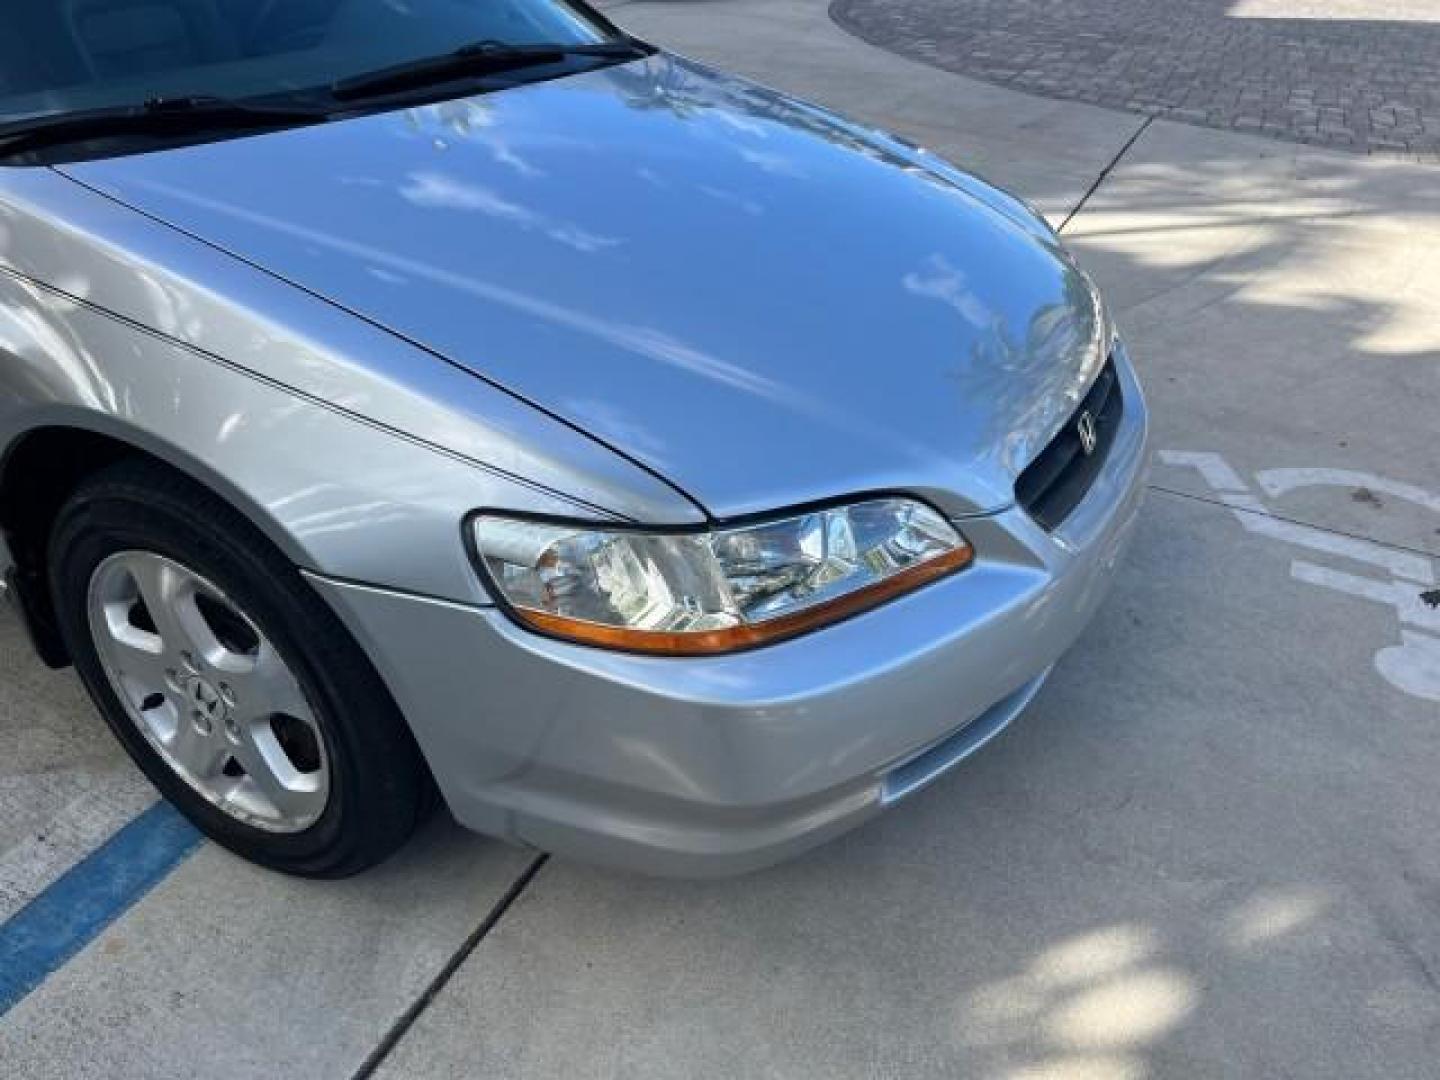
pixel 401 1027
pixel 1292 521
pixel 1105 172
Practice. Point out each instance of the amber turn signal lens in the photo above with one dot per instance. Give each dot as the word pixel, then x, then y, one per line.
pixel 738 638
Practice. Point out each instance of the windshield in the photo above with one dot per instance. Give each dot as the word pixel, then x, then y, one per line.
pixel 66 56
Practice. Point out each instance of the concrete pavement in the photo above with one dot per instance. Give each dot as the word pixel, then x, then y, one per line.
pixel 1284 303
pixel 794 47
pixel 1201 854
pixel 227 970
pixel 64 785
pixel 1208 850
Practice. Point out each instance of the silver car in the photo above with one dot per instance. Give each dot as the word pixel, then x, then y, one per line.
pixel 465 401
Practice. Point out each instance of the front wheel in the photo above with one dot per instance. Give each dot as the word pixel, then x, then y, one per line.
pixel 227 679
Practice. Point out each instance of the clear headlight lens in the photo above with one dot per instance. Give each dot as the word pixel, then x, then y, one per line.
pixel 697 593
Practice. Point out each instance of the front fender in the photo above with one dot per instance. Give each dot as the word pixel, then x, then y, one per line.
pixel 357 453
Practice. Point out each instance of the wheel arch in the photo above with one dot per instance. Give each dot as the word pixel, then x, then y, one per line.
pixel 41 466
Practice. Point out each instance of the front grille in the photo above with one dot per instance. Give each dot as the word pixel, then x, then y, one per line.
pixel 1055 482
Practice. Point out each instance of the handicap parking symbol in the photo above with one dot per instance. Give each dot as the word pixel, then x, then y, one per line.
pixel 1402 580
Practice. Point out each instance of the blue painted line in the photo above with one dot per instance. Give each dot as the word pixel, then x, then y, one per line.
pixel 62 920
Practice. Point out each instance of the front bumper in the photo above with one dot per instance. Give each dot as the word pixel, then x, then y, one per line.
pixel 719 765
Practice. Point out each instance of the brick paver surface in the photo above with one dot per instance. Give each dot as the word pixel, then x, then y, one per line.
pixel 1360 75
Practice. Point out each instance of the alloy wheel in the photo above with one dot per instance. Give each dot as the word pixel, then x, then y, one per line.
pixel 209 691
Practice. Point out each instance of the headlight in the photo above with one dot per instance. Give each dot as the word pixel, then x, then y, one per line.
pixel 692 593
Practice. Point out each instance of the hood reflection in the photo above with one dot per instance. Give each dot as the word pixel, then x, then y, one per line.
pixel 761 302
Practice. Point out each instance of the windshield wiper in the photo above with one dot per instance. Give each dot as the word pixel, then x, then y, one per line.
pixel 478 59
pixel 158 116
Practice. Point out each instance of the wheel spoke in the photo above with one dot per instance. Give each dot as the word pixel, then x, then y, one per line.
pixel 202 756
pixel 266 688
pixel 145 670
pixel 167 595
pixel 291 793
pixel 170 595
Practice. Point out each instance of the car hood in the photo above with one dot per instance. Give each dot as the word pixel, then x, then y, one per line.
pixel 761 302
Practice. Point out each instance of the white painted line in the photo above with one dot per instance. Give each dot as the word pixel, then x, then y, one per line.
pixel 1232 491
pixel 1277 482
pixel 1413 665
pixel 1402 564
pixel 1400 595
pixel 1213 469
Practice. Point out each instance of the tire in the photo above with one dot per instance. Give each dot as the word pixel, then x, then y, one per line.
pixel 348 786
